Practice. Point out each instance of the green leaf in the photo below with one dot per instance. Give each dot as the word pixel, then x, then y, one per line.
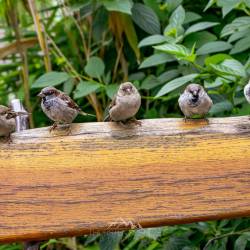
pixel 168 75
pixel 145 18
pixel 200 26
pixel 212 47
pixel 209 4
pixel 172 4
pixel 216 59
pixel 176 83
pixel 68 86
pixel 238 35
pixel 85 88
pixel 221 107
pixel 191 17
pixel 242 45
pixel 180 51
pixel 230 67
pixel 111 90
pixel 174 49
pixel 151 40
pixel 138 76
pixel 227 5
pixel 156 59
pixel 150 82
pixel 150 233
pixel 177 17
pixel 199 39
pixel 52 78
pixel 218 82
pixel 95 67
pixel 123 6
pixel 130 32
pixel 110 241
pixel 241 242
pixel 239 23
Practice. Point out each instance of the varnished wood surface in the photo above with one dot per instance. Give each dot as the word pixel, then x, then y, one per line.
pixel 106 177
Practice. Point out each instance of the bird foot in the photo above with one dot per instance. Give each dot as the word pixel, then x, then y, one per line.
pixel 53 127
pixel 68 127
pixel 206 120
pixel 7 139
pixel 135 121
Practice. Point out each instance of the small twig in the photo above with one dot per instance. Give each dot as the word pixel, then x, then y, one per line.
pixel 225 235
pixel 40 34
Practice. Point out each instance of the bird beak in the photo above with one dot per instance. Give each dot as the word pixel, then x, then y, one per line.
pixel 195 93
pixel 41 95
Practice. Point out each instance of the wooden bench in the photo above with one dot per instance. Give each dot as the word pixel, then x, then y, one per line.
pixel 104 177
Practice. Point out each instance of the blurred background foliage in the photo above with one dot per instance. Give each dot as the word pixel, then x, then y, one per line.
pixel 88 47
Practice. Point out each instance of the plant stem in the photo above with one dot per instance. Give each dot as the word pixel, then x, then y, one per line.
pixel 225 235
pixel 23 54
pixel 40 34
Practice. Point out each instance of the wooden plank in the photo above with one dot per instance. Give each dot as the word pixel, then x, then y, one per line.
pixel 106 177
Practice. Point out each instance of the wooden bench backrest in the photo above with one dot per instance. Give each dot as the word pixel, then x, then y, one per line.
pixel 105 177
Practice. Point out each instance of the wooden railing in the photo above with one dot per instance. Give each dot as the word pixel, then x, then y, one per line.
pixel 104 177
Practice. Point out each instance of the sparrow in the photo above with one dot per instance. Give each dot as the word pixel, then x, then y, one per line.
pixel 247 92
pixel 7 120
pixel 125 104
pixel 59 107
pixel 194 101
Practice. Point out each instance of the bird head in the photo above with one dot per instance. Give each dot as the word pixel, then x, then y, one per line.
pixel 48 91
pixel 127 88
pixel 194 92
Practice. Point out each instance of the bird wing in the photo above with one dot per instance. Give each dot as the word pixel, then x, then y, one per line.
pixel 69 102
pixel 112 104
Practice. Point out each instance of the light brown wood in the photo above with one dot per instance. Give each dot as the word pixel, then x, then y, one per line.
pixel 106 177
pixel 12 48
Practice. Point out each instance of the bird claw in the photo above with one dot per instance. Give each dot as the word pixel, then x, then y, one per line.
pixel 136 122
pixel 53 127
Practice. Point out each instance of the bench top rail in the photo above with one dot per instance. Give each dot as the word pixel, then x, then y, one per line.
pixel 104 177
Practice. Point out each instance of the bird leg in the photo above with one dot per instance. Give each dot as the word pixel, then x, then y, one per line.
pixel 206 120
pixel 53 127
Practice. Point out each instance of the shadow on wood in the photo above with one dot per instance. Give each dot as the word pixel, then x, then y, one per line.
pixel 105 177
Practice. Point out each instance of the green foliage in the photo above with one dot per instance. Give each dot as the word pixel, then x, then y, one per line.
pixel 160 46
pixel 51 79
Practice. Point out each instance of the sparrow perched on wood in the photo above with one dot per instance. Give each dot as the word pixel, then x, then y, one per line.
pixel 247 92
pixel 125 104
pixel 195 101
pixel 7 120
pixel 59 107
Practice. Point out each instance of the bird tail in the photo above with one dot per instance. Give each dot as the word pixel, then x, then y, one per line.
pixel 84 113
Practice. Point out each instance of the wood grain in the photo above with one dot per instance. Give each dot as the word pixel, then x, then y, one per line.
pixel 107 177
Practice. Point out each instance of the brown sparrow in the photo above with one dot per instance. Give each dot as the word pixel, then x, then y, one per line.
pixel 247 92
pixel 58 106
pixel 125 104
pixel 7 120
pixel 195 101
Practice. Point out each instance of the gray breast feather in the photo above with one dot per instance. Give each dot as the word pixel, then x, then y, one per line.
pixel 125 107
pixel 201 109
pixel 57 110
